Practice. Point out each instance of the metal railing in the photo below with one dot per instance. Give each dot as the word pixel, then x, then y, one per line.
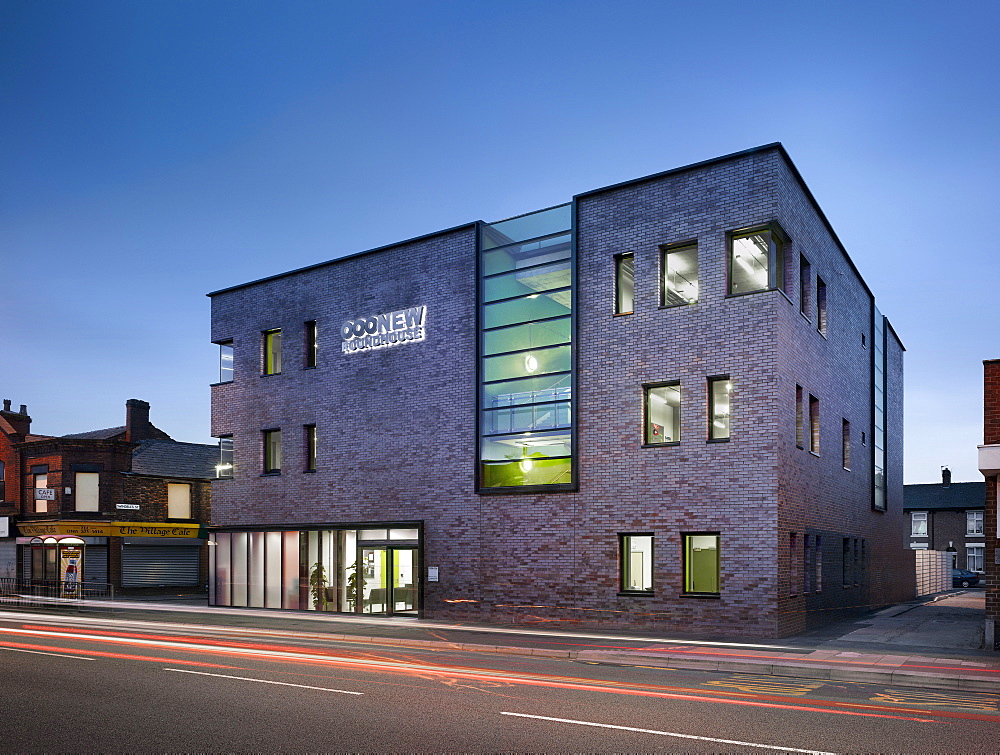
pixel 54 593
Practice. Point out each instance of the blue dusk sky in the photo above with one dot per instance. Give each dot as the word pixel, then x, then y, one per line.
pixel 155 151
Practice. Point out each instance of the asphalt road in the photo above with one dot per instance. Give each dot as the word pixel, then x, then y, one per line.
pixel 85 685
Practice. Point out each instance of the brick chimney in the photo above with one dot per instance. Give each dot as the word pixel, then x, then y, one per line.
pixel 19 421
pixel 137 425
pixel 945 477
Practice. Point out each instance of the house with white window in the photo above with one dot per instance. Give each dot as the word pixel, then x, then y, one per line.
pixel 947 516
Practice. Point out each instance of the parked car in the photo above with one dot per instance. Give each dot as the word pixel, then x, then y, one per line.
pixel 964 578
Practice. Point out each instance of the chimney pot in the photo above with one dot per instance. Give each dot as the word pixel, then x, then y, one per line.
pixel 6 404
pixel 24 409
pixel 945 476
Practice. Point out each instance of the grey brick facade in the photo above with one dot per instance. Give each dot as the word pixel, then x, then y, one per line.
pixel 397 426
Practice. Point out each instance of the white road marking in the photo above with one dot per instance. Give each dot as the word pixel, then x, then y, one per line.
pixel 263 681
pixel 39 652
pixel 668 734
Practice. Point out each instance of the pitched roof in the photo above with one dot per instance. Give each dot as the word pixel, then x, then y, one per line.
pixel 958 495
pixel 168 458
pixel 105 434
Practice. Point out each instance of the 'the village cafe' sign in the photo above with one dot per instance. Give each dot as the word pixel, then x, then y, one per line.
pixel 388 329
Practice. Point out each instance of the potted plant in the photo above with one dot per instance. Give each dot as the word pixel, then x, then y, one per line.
pixel 352 585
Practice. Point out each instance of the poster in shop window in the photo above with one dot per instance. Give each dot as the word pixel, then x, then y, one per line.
pixel 71 571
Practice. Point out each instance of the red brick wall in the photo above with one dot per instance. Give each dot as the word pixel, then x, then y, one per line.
pixel 991 436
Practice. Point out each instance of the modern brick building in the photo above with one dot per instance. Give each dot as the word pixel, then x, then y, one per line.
pixel 124 505
pixel 670 403
pixel 989 465
pixel 947 516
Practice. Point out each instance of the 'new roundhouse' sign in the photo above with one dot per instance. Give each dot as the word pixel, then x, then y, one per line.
pixel 387 329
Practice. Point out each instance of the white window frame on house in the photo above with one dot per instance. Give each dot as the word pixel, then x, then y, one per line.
pixel 974 556
pixel 974 523
pixel 916 518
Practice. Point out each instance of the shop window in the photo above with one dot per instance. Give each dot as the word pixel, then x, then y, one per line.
pixel 845 447
pixel 756 261
pixel 272 352
pixel 311 344
pixel 814 425
pixel 178 500
pixel 663 413
pixel 88 491
pixel 820 305
pixel 225 466
pixel 701 564
pixel 680 276
pixel 973 522
pixel 636 563
pixel 974 558
pixel 918 524
pixel 799 421
pixel 805 286
pixel 310 433
pixel 720 391
pixel 225 361
pixel 272 451
pixel 624 284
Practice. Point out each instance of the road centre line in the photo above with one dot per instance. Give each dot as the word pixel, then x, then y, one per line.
pixel 40 652
pixel 264 681
pixel 667 734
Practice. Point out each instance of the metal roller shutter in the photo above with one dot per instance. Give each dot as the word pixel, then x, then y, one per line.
pixel 160 566
pixel 95 563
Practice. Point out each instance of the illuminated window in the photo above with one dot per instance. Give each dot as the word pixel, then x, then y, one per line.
pixel 701 564
pixel 226 362
pixel 272 451
pixel 624 283
pixel 225 466
pixel 178 500
pixel 720 391
pixel 663 413
pixel 756 262
pixel 636 563
pixel 272 352
pixel 680 276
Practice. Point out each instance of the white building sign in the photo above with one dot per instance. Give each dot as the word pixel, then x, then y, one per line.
pixel 387 329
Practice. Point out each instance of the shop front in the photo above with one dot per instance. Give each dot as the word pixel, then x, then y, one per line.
pixel 366 569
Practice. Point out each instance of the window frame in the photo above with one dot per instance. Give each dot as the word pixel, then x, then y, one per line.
pixel 822 325
pixel 272 440
pixel 267 364
pixel 311 445
pixel 919 516
pixel 646 388
pixel 711 381
pixel 814 425
pixel 36 472
pixel 777 257
pixel 845 449
pixel 310 358
pixel 625 571
pixel 686 571
pixel 225 454
pixel 187 505
pixel 3 481
pixel 800 426
pixel 805 287
pixel 665 251
pixel 970 518
pixel 620 259
pixel 76 491
pixel 223 345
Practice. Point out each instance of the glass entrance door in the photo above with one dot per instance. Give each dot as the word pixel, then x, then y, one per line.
pixel 388 580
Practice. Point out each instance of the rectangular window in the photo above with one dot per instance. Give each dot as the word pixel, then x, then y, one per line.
pixel 814 424
pixel 799 421
pixel 974 558
pixel 756 262
pixel 848 562
pixel 226 362
pixel 819 563
pixel 272 352
pixel 701 564
pixel 663 413
pixel 636 563
pixel 680 276
pixel 846 445
pixel 272 451
pixel 805 286
pixel 793 564
pixel 225 466
pixel 973 522
pixel 41 483
pixel 624 283
pixel 720 391
pixel 807 563
pixel 820 305
pixel 88 489
pixel 310 448
pixel 312 344
pixel 178 500
pixel 918 524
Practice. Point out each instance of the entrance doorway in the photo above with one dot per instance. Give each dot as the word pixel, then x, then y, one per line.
pixel 389 584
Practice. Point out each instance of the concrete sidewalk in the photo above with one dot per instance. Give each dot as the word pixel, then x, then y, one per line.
pixel 932 642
